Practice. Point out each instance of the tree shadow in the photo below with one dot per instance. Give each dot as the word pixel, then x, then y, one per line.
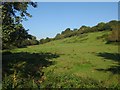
pixel 111 56
pixel 114 69
pixel 27 64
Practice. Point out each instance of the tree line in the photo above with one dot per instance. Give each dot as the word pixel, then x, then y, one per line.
pixel 110 26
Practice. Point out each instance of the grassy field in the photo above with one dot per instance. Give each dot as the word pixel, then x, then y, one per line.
pixel 79 61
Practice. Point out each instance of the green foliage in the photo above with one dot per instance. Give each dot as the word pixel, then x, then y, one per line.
pixel 68 81
pixel 13 13
pixel 9 10
pixel 18 37
pixel 14 37
pixel 66 31
pixel 33 41
pixel 110 26
pixel 24 70
pixel 15 81
pixel 28 42
pixel 58 36
pixel 114 36
pixel 42 41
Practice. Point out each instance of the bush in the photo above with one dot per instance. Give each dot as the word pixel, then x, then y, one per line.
pixel 114 36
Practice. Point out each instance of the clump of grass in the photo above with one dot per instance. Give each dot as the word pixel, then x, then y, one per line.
pixel 68 81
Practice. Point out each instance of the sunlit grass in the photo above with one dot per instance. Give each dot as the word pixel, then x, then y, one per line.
pixel 79 57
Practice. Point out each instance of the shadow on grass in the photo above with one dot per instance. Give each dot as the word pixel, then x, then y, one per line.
pixel 111 56
pixel 113 69
pixel 113 42
pixel 27 64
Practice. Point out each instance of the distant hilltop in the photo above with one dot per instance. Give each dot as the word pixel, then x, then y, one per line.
pixel 113 26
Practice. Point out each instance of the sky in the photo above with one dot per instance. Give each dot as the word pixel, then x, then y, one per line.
pixel 50 18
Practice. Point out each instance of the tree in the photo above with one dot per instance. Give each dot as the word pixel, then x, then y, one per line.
pixel 83 29
pixel 13 13
pixel 114 36
pixel 66 31
pixel 33 41
pixel 75 29
pixel 58 36
pixel 42 41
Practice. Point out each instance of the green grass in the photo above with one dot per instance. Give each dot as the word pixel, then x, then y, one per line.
pixel 82 61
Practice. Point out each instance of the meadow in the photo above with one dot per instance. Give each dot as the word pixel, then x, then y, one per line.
pixel 85 61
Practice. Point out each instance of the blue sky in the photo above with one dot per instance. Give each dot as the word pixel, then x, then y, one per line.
pixel 50 18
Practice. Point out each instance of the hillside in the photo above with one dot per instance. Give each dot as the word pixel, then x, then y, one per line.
pixel 77 46
pixel 79 61
pixel 109 26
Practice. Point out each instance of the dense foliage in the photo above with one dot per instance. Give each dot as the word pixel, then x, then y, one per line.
pixel 13 32
pixel 111 26
pixel 115 34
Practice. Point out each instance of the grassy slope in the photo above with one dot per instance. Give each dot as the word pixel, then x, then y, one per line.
pixel 84 56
